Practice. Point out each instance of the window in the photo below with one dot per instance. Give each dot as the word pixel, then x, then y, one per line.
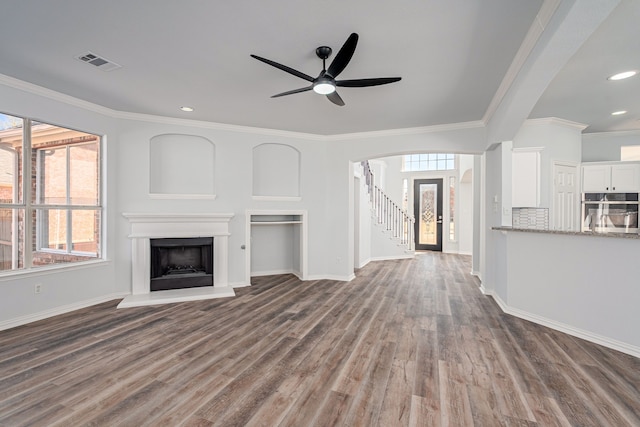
pixel 428 162
pixel 629 153
pixel 452 209
pixel 58 220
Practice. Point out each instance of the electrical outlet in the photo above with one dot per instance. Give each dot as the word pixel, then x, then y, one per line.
pixel 37 289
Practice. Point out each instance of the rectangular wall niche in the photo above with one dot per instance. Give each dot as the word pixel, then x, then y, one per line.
pixel 179 263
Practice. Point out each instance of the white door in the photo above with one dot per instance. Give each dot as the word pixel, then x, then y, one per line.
pixel 565 197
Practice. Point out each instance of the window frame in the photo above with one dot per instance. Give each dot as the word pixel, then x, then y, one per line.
pixel 32 208
pixel 432 162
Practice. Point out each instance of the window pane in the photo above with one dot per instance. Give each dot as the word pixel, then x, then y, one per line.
pixel 11 149
pixel 452 210
pixel 85 227
pixel 11 239
pixel 429 162
pixel 83 174
pixel 52 176
pixel 67 165
pixel 52 229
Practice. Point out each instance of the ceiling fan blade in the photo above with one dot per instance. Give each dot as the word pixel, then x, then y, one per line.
pixel 335 98
pixel 344 56
pixel 291 92
pixel 367 82
pixel 284 68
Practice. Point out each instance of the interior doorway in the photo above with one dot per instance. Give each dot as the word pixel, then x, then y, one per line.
pixel 427 210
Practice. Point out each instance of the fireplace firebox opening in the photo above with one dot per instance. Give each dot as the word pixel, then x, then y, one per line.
pixel 181 263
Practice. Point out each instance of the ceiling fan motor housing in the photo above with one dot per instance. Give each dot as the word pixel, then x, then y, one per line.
pixel 323 52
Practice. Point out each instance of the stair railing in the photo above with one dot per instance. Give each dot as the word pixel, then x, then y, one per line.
pixel 387 213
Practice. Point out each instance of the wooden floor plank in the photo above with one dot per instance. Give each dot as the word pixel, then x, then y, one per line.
pixel 407 342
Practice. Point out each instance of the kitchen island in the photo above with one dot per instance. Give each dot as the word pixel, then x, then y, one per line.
pixel 583 283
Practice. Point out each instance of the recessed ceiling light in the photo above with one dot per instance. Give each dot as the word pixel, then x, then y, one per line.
pixel 617 113
pixel 621 76
pixel 187 109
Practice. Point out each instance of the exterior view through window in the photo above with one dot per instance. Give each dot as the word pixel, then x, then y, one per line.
pixel 57 219
pixel 428 162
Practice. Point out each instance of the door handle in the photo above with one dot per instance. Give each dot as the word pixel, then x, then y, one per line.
pixel 439 221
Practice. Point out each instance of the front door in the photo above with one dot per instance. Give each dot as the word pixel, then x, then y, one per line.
pixel 427 209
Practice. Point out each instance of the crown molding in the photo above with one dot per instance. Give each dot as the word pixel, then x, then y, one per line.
pixel 124 115
pixel 56 96
pixel 406 131
pixel 633 132
pixel 215 126
pixel 556 122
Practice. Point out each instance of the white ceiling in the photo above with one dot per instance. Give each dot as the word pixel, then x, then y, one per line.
pixel 581 91
pixel 452 56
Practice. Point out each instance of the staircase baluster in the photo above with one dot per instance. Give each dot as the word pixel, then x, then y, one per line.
pixel 388 214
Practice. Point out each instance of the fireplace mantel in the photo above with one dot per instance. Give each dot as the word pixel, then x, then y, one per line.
pixel 146 226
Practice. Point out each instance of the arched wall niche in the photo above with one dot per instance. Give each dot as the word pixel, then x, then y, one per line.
pixel 276 171
pixel 181 166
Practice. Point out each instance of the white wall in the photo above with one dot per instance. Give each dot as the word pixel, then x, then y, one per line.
pixel 465 204
pixel 597 147
pixel 561 141
pixel 67 287
pixel 272 249
pixel 276 170
pixel 591 293
pixel 363 220
pixel 234 189
pixel 181 165
pixel 492 255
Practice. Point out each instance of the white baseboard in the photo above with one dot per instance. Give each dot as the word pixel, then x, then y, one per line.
pixel 333 277
pixel 364 263
pixel 239 285
pixel 23 320
pixel 388 258
pixel 272 273
pixel 567 329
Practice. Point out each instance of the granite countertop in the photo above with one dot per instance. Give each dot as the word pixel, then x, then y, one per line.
pixel 570 233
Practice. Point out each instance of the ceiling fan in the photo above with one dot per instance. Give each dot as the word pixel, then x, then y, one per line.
pixel 326 83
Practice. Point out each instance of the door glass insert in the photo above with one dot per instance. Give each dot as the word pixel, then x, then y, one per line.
pixel 428 214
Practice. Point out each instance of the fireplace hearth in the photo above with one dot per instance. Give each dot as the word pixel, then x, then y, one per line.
pixel 181 263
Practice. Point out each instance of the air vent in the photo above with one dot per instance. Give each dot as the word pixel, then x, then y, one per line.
pixel 98 61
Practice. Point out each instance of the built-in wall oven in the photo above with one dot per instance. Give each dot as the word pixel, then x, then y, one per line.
pixel 610 212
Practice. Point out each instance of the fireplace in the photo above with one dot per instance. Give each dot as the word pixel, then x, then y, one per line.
pixel 181 263
pixel 205 258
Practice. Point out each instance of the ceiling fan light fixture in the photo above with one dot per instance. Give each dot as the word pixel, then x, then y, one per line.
pixel 624 75
pixel 619 113
pixel 324 87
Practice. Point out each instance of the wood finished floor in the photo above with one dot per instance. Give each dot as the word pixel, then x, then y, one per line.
pixel 409 342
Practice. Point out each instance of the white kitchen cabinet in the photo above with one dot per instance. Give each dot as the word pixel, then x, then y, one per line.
pixel 618 177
